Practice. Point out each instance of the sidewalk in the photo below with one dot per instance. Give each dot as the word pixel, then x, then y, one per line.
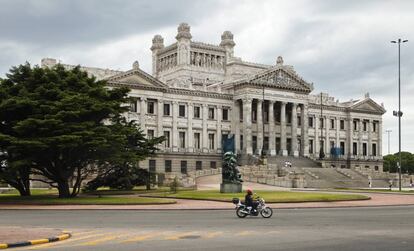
pixel 376 200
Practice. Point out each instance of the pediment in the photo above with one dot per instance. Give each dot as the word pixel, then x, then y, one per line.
pixel 279 77
pixel 136 77
pixel 368 105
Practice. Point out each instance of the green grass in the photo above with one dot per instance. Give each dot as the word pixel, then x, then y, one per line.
pixel 373 190
pixel 269 196
pixel 80 200
pixel 136 190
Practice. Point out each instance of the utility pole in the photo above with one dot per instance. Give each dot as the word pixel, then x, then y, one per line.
pixel 399 113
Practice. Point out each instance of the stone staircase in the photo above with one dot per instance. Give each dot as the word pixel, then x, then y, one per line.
pixel 296 161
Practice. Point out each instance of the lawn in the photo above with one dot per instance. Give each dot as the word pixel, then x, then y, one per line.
pixel 375 190
pixel 49 197
pixel 269 196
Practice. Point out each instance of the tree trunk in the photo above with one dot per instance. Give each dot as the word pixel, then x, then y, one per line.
pixel 63 188
pixel 24 191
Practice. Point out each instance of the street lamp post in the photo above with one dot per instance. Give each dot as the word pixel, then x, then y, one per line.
pixel 321 152
pixel 399 113
pixel 388 132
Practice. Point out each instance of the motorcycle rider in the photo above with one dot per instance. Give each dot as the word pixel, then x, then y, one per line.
pixel 248 200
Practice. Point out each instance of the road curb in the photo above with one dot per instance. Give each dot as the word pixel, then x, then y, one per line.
pixel 61 237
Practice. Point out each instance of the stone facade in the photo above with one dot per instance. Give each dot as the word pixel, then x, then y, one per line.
pixel 199 93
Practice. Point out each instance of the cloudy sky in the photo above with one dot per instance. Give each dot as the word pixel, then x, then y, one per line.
pixel 343 47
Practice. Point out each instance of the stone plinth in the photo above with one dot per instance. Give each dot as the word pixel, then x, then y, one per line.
pixel 230 188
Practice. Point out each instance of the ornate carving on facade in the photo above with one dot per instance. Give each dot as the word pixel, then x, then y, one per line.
pixel 183 31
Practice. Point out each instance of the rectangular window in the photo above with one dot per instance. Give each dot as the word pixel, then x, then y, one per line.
pixel 364 149
pixel 152 166
pixel 332 124
pixel 184 166
pixel 133 106
pixel 342 124
pixel 181 111
pixel 182 139
pixel 150 107
pixel 321 125
pixel 211 141
pixel 167 110
pixel 299 119
pixel 310 122
pixel 354 148
pixel 311 146
pixel 342 144
pixel 374 126
pixel 199 165
pixel 225 114
pixel 374 149
pixel 355 125
pixel 211 113
pixel 322 145
pixel 167 139
pixel 150 134
pixel 197 112
pixel 213 165
pixel 197 140
pixel 364 125
pixel 332 143
pixel 168 166
pixel 241 142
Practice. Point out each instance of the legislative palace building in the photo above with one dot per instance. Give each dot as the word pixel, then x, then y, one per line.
pixel 200 93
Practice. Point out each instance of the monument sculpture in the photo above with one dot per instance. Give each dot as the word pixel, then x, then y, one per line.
pixel 231 178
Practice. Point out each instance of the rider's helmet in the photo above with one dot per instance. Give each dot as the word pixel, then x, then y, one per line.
pixel 249 191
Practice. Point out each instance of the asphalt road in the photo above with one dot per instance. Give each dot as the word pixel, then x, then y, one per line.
pixel 379 228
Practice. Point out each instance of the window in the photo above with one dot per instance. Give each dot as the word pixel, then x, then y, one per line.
pixel 184 166
pixel 374 149
pixel 342 124
pixel 321 123
pixel 211 113
pixel 167 139
pixel 167 110
pixel 168 166
pixel 213 165
pixel 332 124
pixel 199 165
pixel 299 119
pixel 364 125
pixel 197 140
pixel 197 112
pixel 322 146
pixel 150 134
pixel 374 126
pixel 332 143
pixel 133 106
pixel 225 114
pixel 150 107
pixel 211 141
pixel 311 146
pixel 181 111
pixel 354 148
pixel 310 122
pixel 241 142
pixel 342 144
pixel 152 166
pixel 182 139
pixel 355 125
pixel 364 149
pixel 376 168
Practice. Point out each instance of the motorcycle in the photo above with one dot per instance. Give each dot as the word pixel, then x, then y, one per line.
pixel 242 210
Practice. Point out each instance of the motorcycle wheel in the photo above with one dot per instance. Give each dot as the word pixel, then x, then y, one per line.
pixel 266 212
pixel 240 213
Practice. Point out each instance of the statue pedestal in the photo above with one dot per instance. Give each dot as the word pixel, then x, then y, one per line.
pixel 230 188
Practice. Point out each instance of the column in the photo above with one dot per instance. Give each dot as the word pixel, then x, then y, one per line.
pixel 294 134
pixel 160 115
pixel 205 133
pixel 272 135
pixel 174 132
pixel 143 113
pixel 218 136
pixel 369 138
pixel 327 140
pixel 317 138
pixel 304 130
pixel 247 126
pixel 360 153
pixel 379 138
pixel 259 124
pixel 283 148
pixel 338 125
pixel 350 136
pixel 236 125
pixel 190 136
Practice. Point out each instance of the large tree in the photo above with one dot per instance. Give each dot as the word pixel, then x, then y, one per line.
pixel 407 162
pixel 59 122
